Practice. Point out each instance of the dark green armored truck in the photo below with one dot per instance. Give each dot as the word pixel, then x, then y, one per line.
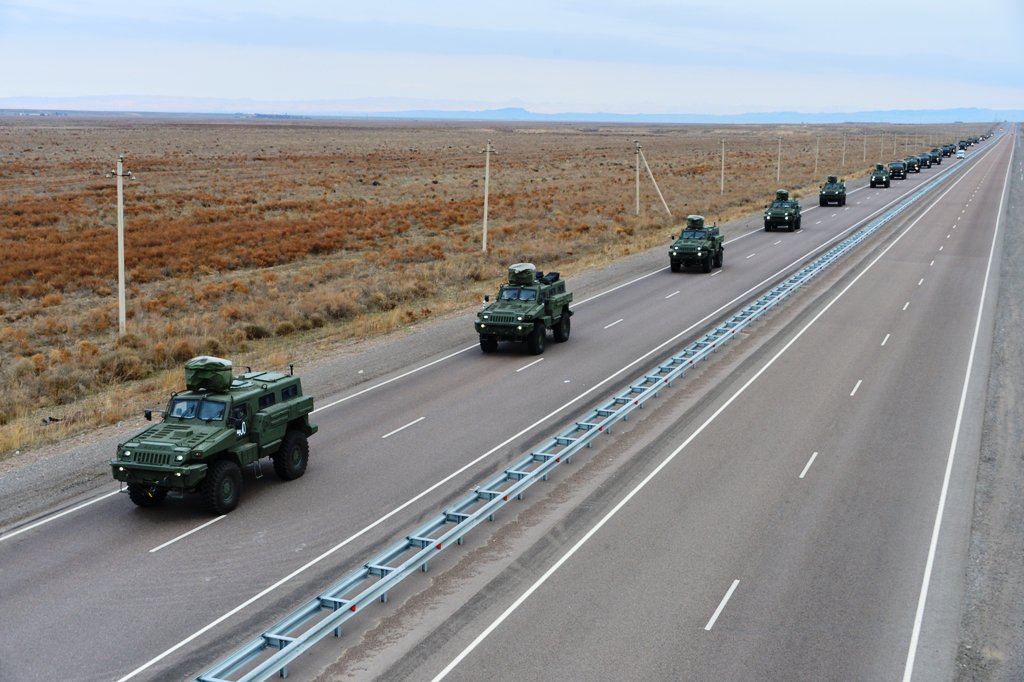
pixel 531 303
pixel 879 176
pixel 698 246
pixel 898 169
pixel 833 191
pixel 213 429
pixel 782 212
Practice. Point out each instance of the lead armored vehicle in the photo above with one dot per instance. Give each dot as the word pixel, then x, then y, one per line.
pixel 698 246
pixel 879 176
pixel 213 429
pixel 782 212
pixel 834 190
pixel 526 307
pixel 898 169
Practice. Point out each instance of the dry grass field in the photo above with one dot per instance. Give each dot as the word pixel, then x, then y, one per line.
pixel 242 234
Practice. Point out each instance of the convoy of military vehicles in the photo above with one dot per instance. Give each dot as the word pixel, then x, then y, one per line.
pixel 223 423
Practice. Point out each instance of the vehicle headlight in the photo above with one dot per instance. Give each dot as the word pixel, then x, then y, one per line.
pixel 179 458
pixel 126 454
pixel 519 318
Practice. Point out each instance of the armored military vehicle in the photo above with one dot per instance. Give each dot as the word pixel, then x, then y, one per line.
pixel 531 303
pixel 698 245
pixel 879 176
pixel 913 164
pixel 924 160
pixel 936 155
pixel 898 169
pixel 834 190
pixel 782 212
pixel 213 429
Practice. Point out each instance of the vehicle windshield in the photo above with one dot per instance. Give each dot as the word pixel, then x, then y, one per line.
pixel 780 204
pixel 191 408
pixel 694 234
pixel 517 294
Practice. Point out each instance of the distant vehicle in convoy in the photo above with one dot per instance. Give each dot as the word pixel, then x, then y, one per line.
pixel 948 149
pixel 699 245
pixel 526 307
pixel 212 430
pixel 936 156
pixel 924 160
pixel 832 191
pixel 782 212
pixel 880 176
pixel 898 169
pixel 963 144
pixel 913 164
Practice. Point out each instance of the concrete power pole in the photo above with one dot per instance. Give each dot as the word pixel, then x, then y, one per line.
pixel 722 183
pixel 778 164
pixel 120 174
pixel 637 143
pixel 487 187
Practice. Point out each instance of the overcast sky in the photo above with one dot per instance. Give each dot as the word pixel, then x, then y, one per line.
pixel 622 56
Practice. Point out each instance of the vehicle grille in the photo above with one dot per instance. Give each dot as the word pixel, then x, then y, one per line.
pixel 502 319
pixel 158 458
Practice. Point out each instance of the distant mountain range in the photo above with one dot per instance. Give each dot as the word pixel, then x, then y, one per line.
pixel 400 109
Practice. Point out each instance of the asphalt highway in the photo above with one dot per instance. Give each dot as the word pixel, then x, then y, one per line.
pixel 110 591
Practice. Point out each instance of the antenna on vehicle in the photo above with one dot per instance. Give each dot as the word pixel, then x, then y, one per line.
pixel 291 369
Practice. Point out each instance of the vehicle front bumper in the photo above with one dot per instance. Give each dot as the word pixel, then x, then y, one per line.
pixel 186 476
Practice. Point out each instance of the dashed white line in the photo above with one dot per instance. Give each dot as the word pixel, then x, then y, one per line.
pixel 931 264
pixel 920 281
pixel 721 605
pixel 818 223
pixel 906 305
pixel 750 256
pixel 402 428
pixel 777 243
pixel 609 326
pixel 855 387
pixel 948 236
pixel 808 465
pixel 185 535
pixel 716 272
pixel 57 516
pixel 527 366
pixel 672 294
pixel 886 339
pixel 941 247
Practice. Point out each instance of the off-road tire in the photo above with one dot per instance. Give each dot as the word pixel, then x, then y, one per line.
pixel 144 497
pixel 676 267
pixel 842 202
pixel 822 202
pixel 719 258
pixel 887 184
pixel 796 225
pixel 488 344
pixel 563 328
pixel 767 226
pixel 291 459
pixel 706 265
pixel 222 487
pixel 535 341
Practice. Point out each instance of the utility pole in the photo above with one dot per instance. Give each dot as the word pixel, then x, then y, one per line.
pixel 637 143
pixel 817 150
pixel 120 174
pixel 778 164
pixel 650 174
pixel 844 150
pixel 865 148
pixel 723 168
pixel 487 187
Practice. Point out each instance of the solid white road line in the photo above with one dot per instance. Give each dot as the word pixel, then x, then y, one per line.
pixel 908 669
pixel 40 522
pixel 855 387
pixel 402 428
pixel 721 605
pixel 809 463
pixel 185 535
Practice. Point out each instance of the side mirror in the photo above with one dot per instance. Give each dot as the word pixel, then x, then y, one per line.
pixel 487 298
pixel 148 414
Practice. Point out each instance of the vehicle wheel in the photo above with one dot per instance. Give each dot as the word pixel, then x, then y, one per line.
pixel 563 328
pixel 719 258
pixel 706 265
pixel 488 344
pixel 887 184
pixel 796 225
pixel 146 497
pixel 842 202
pixel 821 202
pixel 767 227
pixel 222 487
pixel 291 460
pixel 675 266
pixel 535 341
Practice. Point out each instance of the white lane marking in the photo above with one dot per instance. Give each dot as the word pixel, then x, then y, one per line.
pixel 750 256
pixel 920 281
pixel 931 264
pixel 316 560
pixel 402 428
pixel 886 339
pixel 185 535
pixel 818 223
pixel 716 272
pixel 672 294
pixel 809 463
pixel 530 364
pixel 906 305
pixel 908 669
pixel 609 326
pixel 834 215
pixel 777 243
pixel 664 463
pixel 941 248
pixel 948 236
pixel 40 522
pixel 721 605
pixel 855 387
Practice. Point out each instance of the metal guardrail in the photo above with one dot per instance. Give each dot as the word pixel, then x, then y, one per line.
pixel 271 652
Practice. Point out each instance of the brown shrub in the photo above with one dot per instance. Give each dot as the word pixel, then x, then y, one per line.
pixel 122 364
